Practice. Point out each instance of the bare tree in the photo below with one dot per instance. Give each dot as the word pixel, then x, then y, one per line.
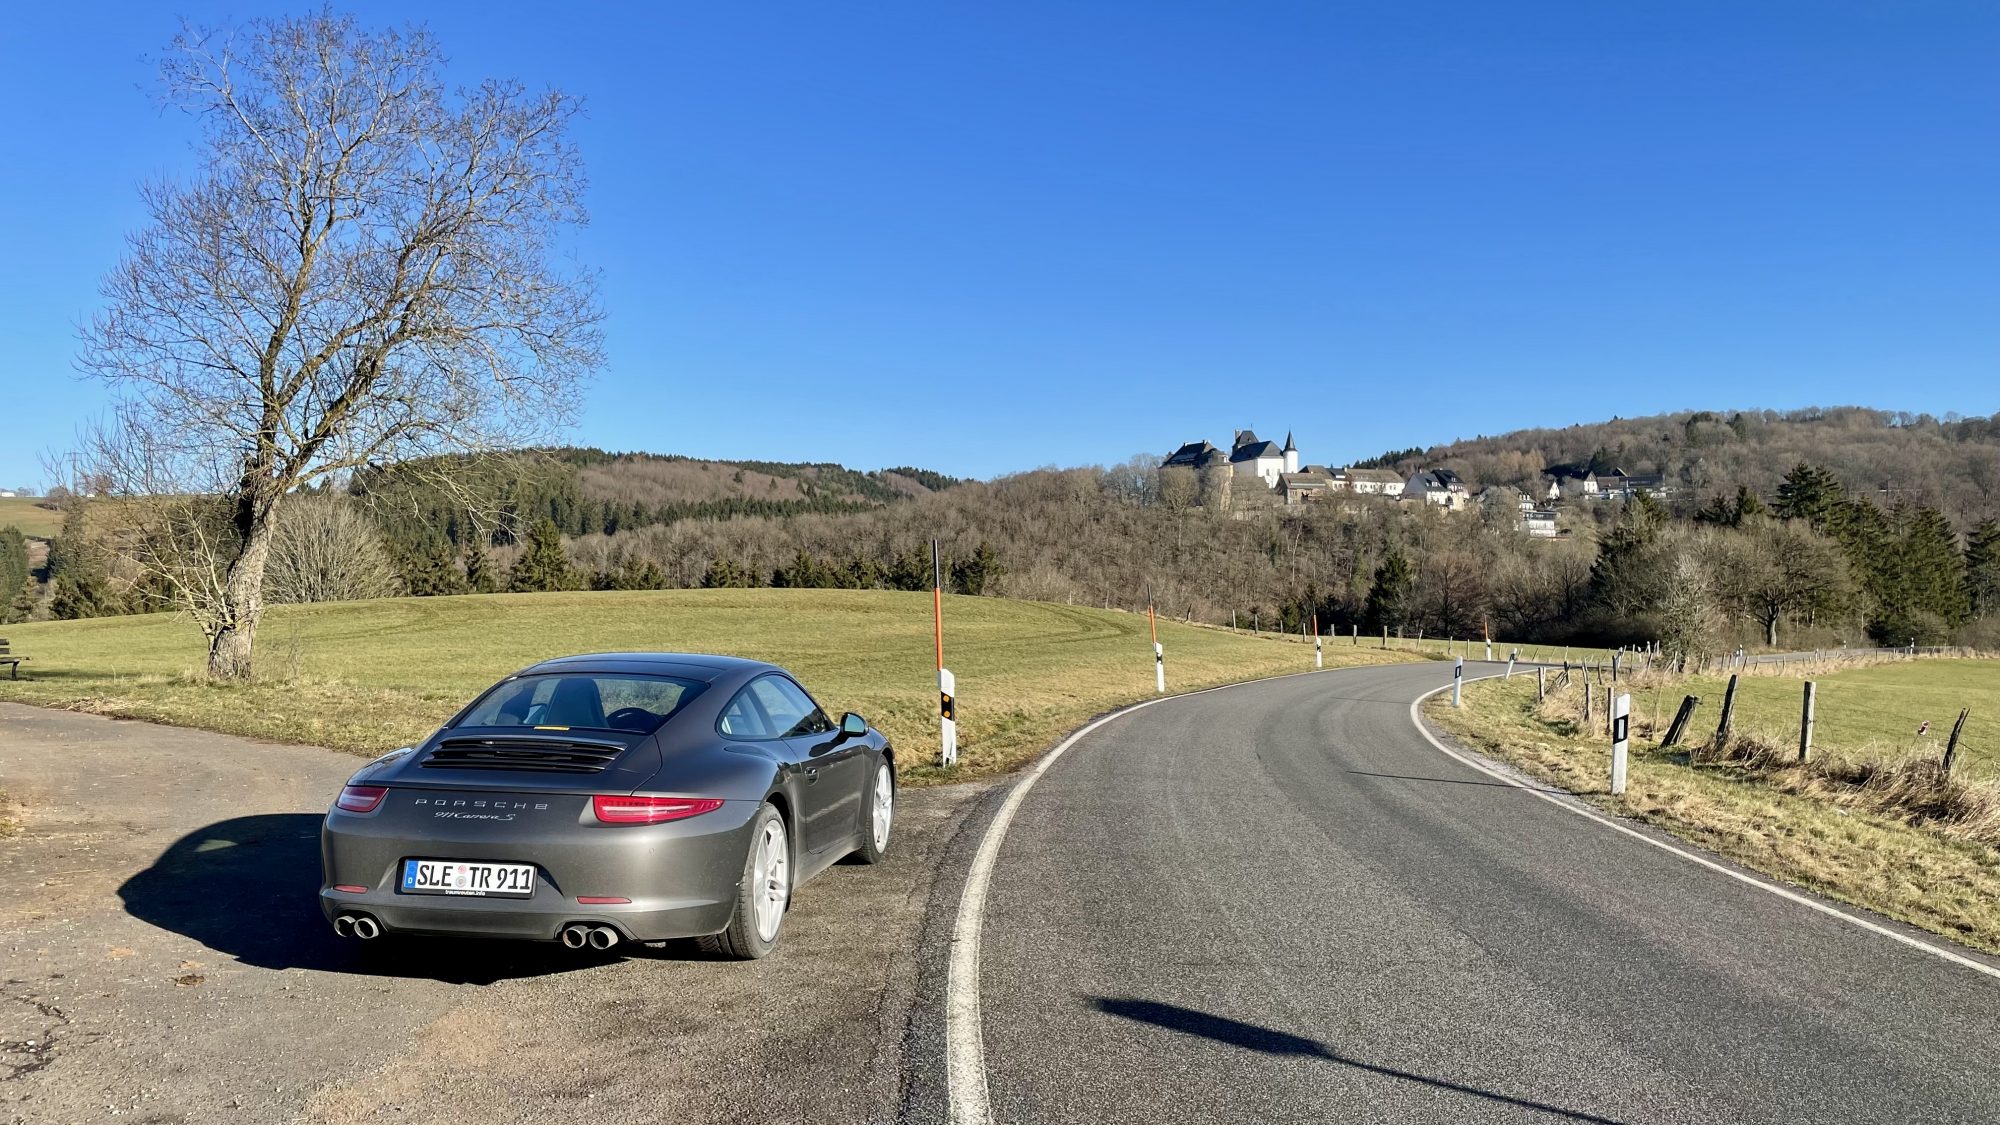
pixel 326 549
pixel 366 268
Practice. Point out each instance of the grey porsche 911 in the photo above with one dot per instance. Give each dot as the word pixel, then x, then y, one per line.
pixel 602 799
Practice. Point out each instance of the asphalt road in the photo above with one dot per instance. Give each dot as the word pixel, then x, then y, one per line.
pixel 1280 903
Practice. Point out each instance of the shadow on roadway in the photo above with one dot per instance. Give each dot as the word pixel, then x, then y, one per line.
pixel 249 887
pixel 1236 1033
pixel 1449 780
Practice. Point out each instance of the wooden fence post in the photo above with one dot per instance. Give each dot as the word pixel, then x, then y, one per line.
pixel 1586 703
pixel 1728 711
pixel 1681 718
pixel 1541 683
pixel 1806 724
pixel 1951 747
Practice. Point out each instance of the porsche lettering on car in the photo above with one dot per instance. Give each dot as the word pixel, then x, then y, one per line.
pixel 618 797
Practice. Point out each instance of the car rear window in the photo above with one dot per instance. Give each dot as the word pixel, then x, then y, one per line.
pixel 638 704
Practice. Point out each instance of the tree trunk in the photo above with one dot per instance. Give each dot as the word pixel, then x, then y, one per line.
pixel 1771 632
pixel 243 593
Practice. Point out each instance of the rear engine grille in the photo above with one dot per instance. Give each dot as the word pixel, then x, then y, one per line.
pixel 523 755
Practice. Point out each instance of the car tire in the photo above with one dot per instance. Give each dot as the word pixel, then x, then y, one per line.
pixel 763 894
pixel 881 812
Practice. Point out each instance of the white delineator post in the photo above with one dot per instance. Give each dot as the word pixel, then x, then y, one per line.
pixel 1159 655
pixel 1511 657
pixel 947 684
pixel 1457 681
pixel 1621 728
pixel 1319 659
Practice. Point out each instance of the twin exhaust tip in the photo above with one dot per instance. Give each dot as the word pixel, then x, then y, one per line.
pixel 576 935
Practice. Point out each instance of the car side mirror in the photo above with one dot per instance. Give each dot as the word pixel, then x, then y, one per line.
pixel 852 724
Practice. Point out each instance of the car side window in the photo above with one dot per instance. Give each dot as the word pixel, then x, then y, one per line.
pixel 792 712
pixel 744 717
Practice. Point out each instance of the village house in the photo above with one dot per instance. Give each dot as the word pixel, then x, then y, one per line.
pixel 1441 487
pixel 1375 482
pixel 1571 485
pixel 1539 523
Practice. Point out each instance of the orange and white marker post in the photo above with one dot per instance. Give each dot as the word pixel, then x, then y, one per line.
pixel 947 686
pixel 1159 654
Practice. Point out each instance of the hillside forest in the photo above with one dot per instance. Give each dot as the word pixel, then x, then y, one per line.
pixel 1808 529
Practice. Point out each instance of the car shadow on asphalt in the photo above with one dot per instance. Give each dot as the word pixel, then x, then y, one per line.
pixel 1250 1036
pixel 248 887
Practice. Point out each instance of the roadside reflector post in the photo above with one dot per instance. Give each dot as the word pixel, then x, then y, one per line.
pixel 1511 657
pixel 947 718
pixel 1806 724
pixel 1159 655
pixel 1621 725
pixel 947 684
pixel 1489 648
pixel 1319 660
pixel 1457 681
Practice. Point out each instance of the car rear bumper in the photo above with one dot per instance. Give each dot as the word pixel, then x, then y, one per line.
pixel 680 877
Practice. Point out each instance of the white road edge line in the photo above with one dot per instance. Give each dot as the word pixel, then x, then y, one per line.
pixel 1567 803
pixel 964 1033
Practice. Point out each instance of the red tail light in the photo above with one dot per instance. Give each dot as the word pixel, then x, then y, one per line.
pixel 650 810
pixel 361 798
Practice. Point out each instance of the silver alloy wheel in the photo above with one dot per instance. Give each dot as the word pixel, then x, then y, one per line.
pixel 885 805
pixel 773 875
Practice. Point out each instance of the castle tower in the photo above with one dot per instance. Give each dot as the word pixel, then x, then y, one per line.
pixel 1291 454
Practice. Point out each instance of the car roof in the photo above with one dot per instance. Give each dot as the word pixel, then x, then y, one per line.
pixel 686 665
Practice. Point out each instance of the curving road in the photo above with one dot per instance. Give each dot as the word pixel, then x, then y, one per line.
pixel 1281 903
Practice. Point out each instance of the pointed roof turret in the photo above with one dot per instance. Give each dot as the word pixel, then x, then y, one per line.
pixel 1289 447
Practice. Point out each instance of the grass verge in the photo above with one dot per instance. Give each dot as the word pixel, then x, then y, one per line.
pixel 371 676
pixel 1889 835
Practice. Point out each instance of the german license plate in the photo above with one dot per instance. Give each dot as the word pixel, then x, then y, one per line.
pixel 477 880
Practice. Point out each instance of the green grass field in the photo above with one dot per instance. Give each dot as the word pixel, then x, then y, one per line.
pixel 21 512
pixel 1872 710
pixel 370 676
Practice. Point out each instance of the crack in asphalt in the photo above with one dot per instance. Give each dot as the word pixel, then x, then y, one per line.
pixel 39 1051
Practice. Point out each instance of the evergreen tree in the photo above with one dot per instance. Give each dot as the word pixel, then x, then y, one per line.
pixel 1933 571
pixel 1389 597
pixel 910 571
pixel 1982 568
pixel 430 571
pixel 804 572
pixel 14 573
pixel 1629 576
pixel 79 583
pixel 479 574
pixel 23 605
pixel 1812 494
pixel 634 573
pixel 542 566
pixel 725 574
pixel 978 573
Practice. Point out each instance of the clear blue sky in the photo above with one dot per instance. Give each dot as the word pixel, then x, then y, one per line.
pixel 983 237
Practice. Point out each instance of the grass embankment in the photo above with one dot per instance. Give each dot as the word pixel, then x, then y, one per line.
pixel 21 512
pixel 371 676
pixel 1870 820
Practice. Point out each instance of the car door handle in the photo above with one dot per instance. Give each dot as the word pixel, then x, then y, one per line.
pixel 812 773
